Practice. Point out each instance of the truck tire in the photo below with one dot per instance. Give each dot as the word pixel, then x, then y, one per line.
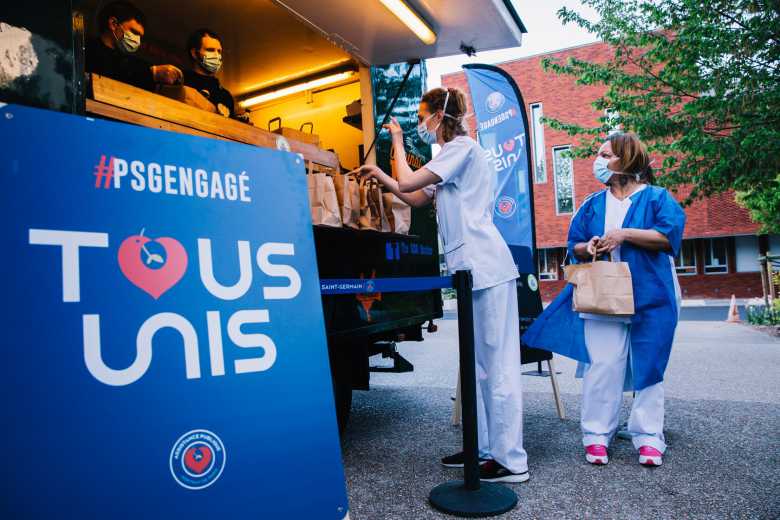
pixel 341 377
pixel 342 394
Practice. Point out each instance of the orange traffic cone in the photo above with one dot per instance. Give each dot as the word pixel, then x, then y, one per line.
pixel 733 316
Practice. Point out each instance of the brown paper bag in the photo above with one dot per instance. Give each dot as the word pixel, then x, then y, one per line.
pixel 371 207
pixel 402 216
pixel 348 193
pixel 375 201
pixel 602 288
pixel 366 220
pixel 387 207
pixel 323 200
pixel 384 219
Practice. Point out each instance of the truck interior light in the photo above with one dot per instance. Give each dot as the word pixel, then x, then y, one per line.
pixel 411 19
pixel 300 87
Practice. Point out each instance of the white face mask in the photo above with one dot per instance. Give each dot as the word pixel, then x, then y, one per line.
pixel 211 61
pixel 129 43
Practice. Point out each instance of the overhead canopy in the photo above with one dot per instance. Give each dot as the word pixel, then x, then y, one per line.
pixel 267 42
pixel 373 33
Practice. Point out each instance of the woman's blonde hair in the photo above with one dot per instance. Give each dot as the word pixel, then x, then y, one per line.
pixel 452 124
pixel 632 157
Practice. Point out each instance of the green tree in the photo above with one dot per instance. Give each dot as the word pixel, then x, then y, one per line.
pixel 699 81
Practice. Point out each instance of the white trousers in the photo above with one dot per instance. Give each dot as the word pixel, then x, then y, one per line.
pixel 602 390
pixel 499 374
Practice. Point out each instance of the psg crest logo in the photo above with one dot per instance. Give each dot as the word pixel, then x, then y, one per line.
pixel 494 102
pixel 506 207
pixel 197 459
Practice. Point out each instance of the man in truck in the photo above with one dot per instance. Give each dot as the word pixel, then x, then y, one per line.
pixel 204 49
pixel 113 53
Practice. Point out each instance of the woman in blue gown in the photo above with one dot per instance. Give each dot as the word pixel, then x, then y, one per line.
pixel 634 222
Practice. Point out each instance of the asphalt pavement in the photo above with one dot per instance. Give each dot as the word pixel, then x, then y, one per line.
pixel 722 424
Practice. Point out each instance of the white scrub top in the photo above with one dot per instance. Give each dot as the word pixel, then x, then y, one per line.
pixel 464 207
pixel 614 215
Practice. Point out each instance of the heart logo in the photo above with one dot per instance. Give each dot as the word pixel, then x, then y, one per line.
pixel 153 266
pixel 509 145
pixel 197 458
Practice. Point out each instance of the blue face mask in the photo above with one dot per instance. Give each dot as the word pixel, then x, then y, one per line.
pixel 211 61
pixel 129 43
pixel 600 170
pixel 427 136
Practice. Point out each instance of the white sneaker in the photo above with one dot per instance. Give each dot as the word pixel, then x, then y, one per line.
pixel 649 456
pixel 596 454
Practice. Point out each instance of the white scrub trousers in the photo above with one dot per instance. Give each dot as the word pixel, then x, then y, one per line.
pixel 498 369
pixel 602 391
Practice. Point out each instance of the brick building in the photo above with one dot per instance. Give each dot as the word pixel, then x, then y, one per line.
pixel 720 248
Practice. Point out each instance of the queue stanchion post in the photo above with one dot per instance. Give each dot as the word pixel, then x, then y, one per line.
pixel 470 497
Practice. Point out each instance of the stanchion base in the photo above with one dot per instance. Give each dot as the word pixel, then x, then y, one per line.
pixel 489 500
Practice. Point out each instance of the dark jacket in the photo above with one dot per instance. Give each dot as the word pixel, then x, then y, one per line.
pixel 210 87
pixel 114 64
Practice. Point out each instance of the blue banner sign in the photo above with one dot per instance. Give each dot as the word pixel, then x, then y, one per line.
pixel 164 344
pixel 502 128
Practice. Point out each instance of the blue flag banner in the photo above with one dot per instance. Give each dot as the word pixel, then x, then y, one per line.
pixel 164 344
pixel 502 128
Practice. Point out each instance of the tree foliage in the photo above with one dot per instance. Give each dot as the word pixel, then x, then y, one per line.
pixel 699 81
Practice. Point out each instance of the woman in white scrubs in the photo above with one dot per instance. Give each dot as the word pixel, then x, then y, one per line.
pixel 462 182
pixel 641 225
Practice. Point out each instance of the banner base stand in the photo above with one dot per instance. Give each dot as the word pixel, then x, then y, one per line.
pixel 489 499
pixel 537 373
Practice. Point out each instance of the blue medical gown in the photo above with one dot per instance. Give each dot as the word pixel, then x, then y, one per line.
pixel 560 329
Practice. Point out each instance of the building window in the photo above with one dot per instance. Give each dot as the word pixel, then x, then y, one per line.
pixel 716 256
pixel 537 133
pixel 774 245
pixel 747 253
pixel 549 263
pixel 563 170
pixel 685 262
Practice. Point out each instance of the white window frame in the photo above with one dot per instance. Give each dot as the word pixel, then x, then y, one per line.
pixel 682 269
pixel 555 181
pixel 708 253
pixel 544 259
pixel 539 152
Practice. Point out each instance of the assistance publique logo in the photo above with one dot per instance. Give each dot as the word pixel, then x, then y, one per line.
pixel 197 459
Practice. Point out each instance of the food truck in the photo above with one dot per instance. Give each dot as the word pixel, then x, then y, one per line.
pixel 311 77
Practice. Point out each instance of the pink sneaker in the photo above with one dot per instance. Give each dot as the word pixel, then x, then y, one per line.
pixel 596 454
pixel 649 456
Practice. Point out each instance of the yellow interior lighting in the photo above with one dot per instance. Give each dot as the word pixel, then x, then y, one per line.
pixel 294 89
pixel 411 19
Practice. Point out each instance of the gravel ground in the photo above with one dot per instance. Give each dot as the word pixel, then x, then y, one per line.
pixel 722 424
